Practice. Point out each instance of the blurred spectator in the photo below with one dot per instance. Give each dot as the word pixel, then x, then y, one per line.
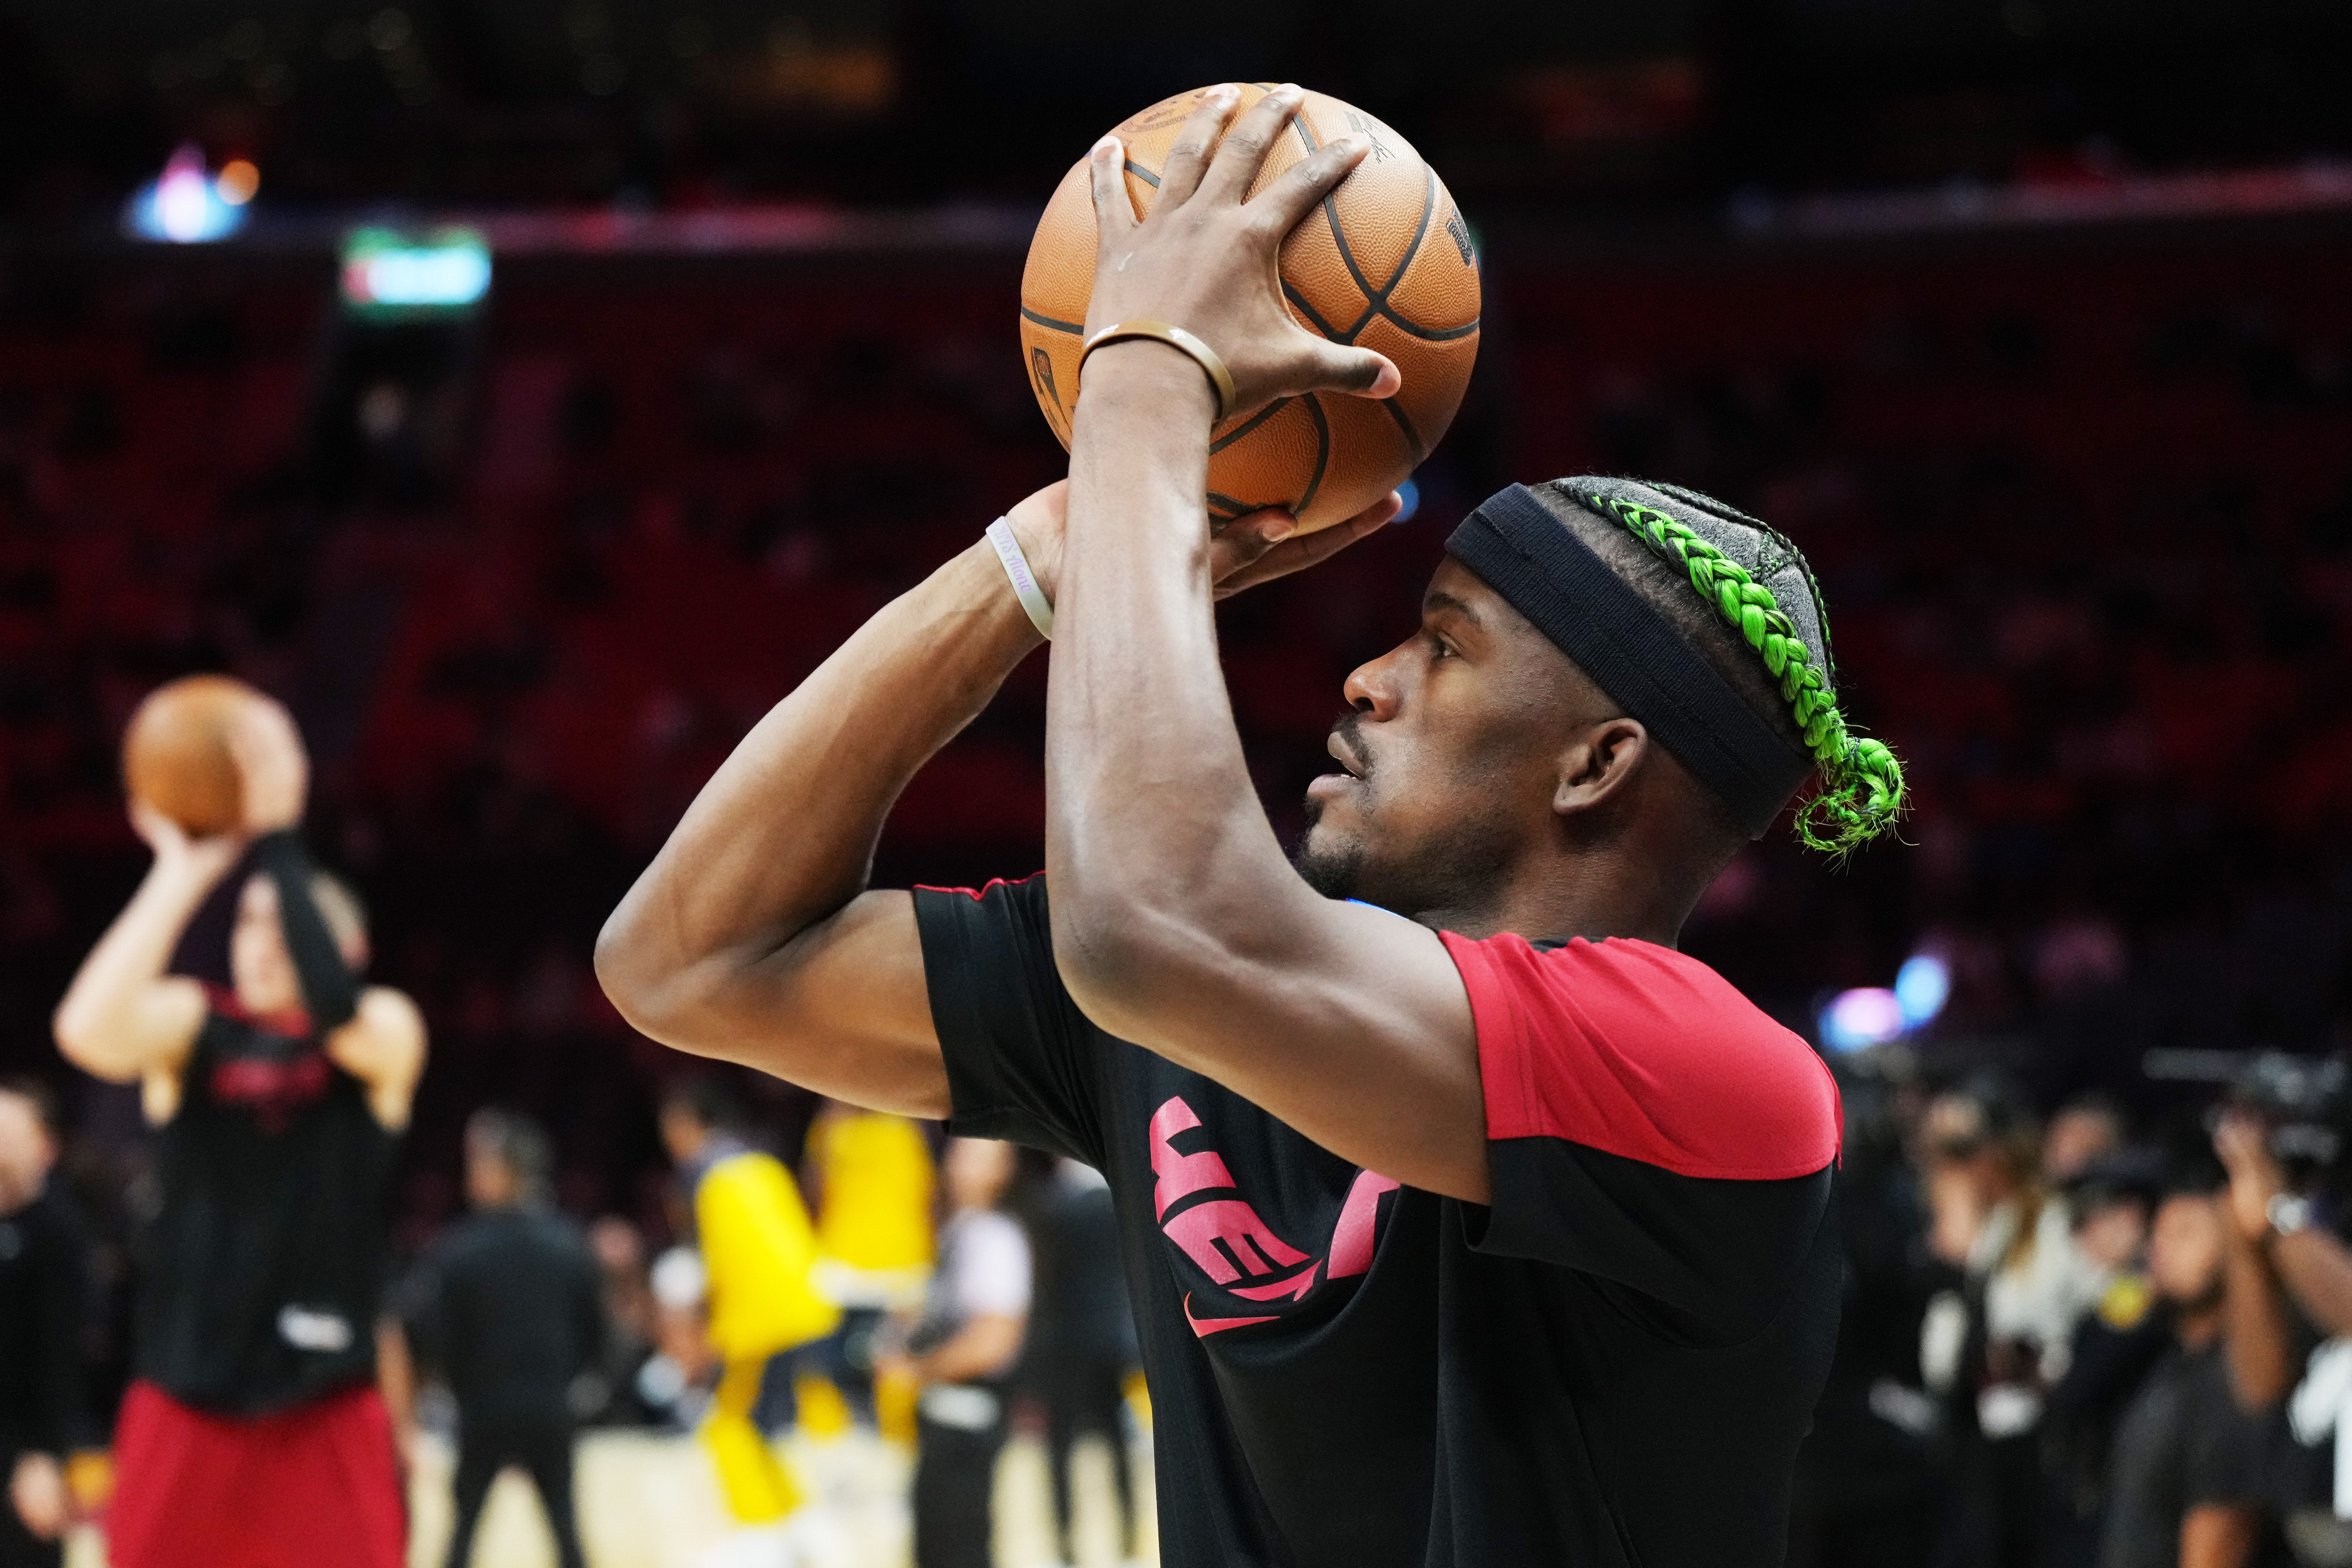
pixel 619 1248
pixel 2112 1199
pixel 2082 1131
pixel 1080 1348
pixel 870 1176
pixel 2186 1483
pixel 1993 1346
pixel 509 1304
pixel 42 1298
pixel 961 1351
pixel 758 1251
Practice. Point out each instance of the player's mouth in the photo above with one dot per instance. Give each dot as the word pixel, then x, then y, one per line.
pixel 1352 771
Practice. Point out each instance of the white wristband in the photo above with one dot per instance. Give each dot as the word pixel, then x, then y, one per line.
pixel 1024 581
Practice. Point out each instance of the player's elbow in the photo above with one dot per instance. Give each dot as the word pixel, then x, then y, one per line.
pixel 82 1039
pixel 648 997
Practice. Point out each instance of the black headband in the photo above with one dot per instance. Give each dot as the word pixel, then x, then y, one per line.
pixel 1543 571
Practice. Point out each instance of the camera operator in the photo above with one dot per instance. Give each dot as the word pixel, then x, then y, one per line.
pixel 2279 1140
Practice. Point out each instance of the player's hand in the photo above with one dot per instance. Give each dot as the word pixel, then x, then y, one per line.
pixel 275 770
pixel 2254 1174
pixel 1254 548
pixel 37 1491
pixel 1208 261
pixel 207 858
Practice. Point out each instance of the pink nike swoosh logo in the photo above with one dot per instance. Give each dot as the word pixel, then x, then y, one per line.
pixel 1203 1327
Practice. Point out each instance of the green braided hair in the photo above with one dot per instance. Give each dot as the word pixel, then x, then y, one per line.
pixel 1861 796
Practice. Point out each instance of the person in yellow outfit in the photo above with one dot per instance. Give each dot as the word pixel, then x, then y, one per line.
pixel 759 1251
pixel 870 1176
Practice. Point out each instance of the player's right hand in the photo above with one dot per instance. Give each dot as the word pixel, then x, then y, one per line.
pixel 208 857
pixel 1252 549
pixel 275 770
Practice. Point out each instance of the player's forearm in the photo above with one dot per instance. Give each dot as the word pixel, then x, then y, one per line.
pixel 96 1023
pixel 784 834
pixel 1155 837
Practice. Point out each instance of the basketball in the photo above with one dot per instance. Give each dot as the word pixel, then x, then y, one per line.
pixel 175 754
pixel 1387 264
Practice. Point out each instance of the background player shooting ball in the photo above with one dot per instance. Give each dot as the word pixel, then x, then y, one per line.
pixel 280 1099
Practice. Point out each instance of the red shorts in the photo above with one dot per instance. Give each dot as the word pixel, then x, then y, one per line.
pixel 313 1486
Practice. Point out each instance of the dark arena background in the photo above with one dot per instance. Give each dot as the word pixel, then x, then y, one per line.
pixel 530 392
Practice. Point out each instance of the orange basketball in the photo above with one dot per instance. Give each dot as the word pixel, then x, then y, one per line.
pixel 175 754
pixel 1387 263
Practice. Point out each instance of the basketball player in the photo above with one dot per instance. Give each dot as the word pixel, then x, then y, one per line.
pixel 759 1254
pixel 1467 1221
pixel 870 1178
pixel 253 1435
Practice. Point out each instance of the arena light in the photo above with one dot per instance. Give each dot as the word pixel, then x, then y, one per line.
pixel 389 273
pixel 1922 986
pixel 1409 494
pixel 1858 1019
pixel 183 205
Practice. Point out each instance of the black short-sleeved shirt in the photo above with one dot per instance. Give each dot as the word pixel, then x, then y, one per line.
pixel 2183 1443
pixel 510 1304
pixel 1612 1364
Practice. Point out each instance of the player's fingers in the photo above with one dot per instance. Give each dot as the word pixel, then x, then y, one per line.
pixel 1360 373
pixel 1276 209
pixel 1107 175
pixel 1180 176
pixel 1246 540
pixel 1312 549
pixel 1240 153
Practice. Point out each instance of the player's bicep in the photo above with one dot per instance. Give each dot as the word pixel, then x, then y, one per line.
pixel 843 1009
pixel 1351 1025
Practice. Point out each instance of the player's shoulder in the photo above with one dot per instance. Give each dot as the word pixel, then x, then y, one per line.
pixel 1640 1050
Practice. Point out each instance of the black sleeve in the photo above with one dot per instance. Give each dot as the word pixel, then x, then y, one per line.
pixel 1023 1062
pixel 329 991
pixel 1713 1258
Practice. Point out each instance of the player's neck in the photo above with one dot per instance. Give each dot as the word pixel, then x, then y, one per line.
pixel 1590 894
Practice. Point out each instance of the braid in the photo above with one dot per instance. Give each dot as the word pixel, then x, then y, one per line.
pixel 1861 796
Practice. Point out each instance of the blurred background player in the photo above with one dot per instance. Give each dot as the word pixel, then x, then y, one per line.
pixel 510 1304
pixel 961 1351
pixel 43 1286
pixel 281 1102
pixel 1081 1345
pixel 759 1253
pixel 869 1175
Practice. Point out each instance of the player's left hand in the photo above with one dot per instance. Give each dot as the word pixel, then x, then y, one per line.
pixel 271 765
pixel 1256 547
pixel 1208 261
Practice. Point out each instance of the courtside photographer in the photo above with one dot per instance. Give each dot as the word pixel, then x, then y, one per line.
pixel 2281 1134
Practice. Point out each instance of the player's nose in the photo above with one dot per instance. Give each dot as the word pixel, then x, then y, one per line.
pixel 1373 688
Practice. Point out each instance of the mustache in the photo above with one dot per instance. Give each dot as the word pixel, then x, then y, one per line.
pixel 1348 728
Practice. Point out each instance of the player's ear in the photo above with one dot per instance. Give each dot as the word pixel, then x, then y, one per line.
pixel 1598 764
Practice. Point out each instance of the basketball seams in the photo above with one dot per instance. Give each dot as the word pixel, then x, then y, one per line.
pixel 1322 448
pixel 1029 315
pixel 1404 423
pixel 1252 423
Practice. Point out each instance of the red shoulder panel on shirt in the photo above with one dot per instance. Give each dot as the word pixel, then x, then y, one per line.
pixel 1641 1051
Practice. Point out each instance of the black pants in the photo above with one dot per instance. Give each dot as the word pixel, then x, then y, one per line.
pixel 1079 1397
pixel 955 1481
pixel 541 1446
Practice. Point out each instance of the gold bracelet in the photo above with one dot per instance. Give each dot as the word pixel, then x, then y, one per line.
pixel 1221 380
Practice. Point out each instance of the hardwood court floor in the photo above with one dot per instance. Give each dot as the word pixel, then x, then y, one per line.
pixel 648 1501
